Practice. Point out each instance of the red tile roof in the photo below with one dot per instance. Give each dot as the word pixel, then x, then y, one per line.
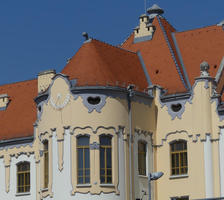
pixel 204 44
pixel 198 45
pixel 158 60
pixel 97 63
pixel 18 118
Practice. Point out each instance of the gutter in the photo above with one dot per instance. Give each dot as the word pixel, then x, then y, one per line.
pixel 130 95
pixel 174 97
pixel 16 141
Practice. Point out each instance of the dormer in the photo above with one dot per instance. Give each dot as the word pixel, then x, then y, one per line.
pixel 145 29
pixel 4 100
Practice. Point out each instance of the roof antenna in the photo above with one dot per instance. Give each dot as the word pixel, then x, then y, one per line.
pixel 145 6
pixel 85 35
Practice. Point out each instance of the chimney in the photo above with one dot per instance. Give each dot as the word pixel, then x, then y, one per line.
pixel 44 79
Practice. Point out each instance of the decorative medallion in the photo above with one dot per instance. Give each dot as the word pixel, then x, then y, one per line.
pixel 60 102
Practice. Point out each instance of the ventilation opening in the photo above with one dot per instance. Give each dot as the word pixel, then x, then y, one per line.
pixel 94 100
pixel 176 107
pixel 157 71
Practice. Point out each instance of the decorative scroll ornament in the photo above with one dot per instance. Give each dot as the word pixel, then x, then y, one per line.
pixel 59 104
pixel 94 145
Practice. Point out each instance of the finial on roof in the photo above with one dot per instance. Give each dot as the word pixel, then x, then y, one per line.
pixel 204 68
pixel 155 9
pixel 85 35
pixel 221 24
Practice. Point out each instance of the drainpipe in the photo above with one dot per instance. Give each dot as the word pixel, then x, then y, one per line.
pixel 130 95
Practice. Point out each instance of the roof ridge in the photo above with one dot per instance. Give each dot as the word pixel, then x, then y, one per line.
pixel 169 23
pixel 126 39
pixel 172 53
pixel 208 26
pixel 117 47
pixel 17 82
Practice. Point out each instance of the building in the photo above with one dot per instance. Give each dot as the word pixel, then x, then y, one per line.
pixel 116 113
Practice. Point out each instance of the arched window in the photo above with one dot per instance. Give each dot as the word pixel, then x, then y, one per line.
pixel 142 158
pixel 83 160
pixel 105 159
pixel 46 163
pixel 178 150
pixel 23 177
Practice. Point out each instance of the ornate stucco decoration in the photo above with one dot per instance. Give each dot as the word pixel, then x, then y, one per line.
pixel 59 102
pixel 193 137
pixel 144 132
pixel 176 108
pixel 98 101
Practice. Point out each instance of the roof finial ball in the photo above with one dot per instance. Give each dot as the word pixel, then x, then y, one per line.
pixel 204 68
pixel 85 35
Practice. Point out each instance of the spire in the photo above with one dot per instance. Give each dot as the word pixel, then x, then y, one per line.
pixel 154 11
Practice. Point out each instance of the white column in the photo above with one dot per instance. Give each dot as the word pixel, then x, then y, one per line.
pixel 221 161
pixel 208 164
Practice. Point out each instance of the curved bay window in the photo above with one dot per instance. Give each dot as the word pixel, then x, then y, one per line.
pixel 23 177
pixel 105 159
pixel 142 158
pixel 83 160
pixel 178 152
pixel 46 164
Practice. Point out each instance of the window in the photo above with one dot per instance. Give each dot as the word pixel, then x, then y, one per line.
pixel 142 158
pixel 46 164
pixel 179 164
pixel 83 160
pixel 23 177
pixel 105 159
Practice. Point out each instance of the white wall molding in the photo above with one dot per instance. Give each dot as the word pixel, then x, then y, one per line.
pixel 208 165
pixel 221 161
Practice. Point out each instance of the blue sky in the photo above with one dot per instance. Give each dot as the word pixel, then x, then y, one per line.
pixel 40 35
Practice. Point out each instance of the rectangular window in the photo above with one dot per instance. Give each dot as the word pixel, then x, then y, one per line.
pixel 83 160
pixel 105 159
pixel 179 163
pixel 142 158
pixel 46 164
pixel 23 177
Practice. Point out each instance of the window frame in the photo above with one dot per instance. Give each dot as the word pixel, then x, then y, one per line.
pixel 180 153
pixel 145 157
pixel 46 191
pixel 106 148
pixel 83 147
pixel 95 187
pixel 45 171
pixel 24 173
